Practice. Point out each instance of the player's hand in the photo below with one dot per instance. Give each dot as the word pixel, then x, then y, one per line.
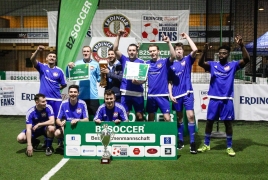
pixel 173 99
pixel 71 64
pixel 121 32
pixel 137 82
pixel 239 40
pixel 206 47
pixel 117 121
pixel 105 70
pixel 40 48
pixel 63 123
pixel 74 121
pixel 165 38
pixel 29 151
pixel 36 127
pixel 98 121
pixel 184 35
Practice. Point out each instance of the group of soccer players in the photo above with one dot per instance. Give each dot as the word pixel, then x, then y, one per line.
pixel 169 79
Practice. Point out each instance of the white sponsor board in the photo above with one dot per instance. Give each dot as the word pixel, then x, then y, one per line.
pixel 73 139
pixel 72 150
pixel 88 150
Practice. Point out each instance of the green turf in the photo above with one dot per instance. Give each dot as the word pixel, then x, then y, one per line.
pixel 250 143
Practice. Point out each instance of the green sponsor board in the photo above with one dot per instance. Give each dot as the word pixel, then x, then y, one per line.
pixel 79 72
pixel 2 75
pixel 136 71
pixel 131 140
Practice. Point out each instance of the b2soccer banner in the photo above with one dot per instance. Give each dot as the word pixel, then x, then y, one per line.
pixel 74 20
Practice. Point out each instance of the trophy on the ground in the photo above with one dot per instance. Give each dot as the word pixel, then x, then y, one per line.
pixel 103 81
pixel 105 138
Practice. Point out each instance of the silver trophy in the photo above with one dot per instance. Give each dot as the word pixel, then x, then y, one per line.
pixel 105 138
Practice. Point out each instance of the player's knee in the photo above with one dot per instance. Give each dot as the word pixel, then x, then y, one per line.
pixel 57 133
pixel 51 129
pixel 21 138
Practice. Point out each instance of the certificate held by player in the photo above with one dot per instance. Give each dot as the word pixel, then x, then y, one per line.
pixel 136 71
pixel 79 72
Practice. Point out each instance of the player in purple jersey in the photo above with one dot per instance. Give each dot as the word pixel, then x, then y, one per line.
pixel 158 81
pixel 110 110
pixel 73 110
pixel 221 91
pixel 39 121
pixel 131 90
pixel 181 90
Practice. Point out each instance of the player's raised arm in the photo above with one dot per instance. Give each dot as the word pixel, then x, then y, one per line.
pixel 116 44
pixel 35 54
pixel 171 49
pixel 191 43
pixel 245 55
pixel 202 62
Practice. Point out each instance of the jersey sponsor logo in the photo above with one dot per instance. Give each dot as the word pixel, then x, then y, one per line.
pixel 227 68
pixel 115 22
pixel 47 70
pixel 55 74
pixel 159 65
pixel 67 110
pixel 183 63
pixel 115 114
pixel 43 114
pixel 100 50
pixel 78 110
pixel 91 67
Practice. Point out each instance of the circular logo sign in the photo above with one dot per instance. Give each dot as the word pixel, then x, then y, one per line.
pixel 100 50
pixel 115 22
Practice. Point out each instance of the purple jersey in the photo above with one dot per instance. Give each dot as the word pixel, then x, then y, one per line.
pixel 50 81
pixel 34 116
pixel 180 75
pixel 69 112
pixel 158 77
pixel 222 79
pixel 105 114
pixel 127 87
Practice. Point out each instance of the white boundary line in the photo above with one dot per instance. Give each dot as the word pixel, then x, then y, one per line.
pixel 55 169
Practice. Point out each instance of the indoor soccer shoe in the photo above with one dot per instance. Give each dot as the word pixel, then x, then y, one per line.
pixel 48 151
pixel 204 148
pixel 180 145
pixel 35 144
pixel 230 152
pixel 193 148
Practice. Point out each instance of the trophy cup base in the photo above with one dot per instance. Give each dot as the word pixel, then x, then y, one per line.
pixel 105 160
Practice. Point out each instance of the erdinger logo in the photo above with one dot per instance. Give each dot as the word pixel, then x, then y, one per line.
pixel 100 50
pixel 115 22
pixel 203 94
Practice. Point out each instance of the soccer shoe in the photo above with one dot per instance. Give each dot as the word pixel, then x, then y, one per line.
pixel 204 148
pixel 230 152
pixel 48 151
pixel 60 145
pixel 193 148
pixel 35 144
pixel 180 145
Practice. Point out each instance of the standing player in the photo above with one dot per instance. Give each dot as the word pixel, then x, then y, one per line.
pixel 110 110
pixel 131 90
pixel 88 88
pixel 114 74
pixel 221 91
pixel 158 81
pixel 181 90
pixel 71 110
pixel 39 121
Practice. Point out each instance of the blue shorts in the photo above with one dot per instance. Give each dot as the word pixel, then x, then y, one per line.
pixel 153 103
pixel 187 101
pixel 220 108
pixel 56 106
pixel 136 102
pixel 38 132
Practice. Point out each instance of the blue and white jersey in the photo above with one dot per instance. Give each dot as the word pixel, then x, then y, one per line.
pixel 50 81
pixel 180 75
pixel 127 87
pixel 69 112
pixel 105 114
pixel 88 88
pixel 158 77
pixel 222 79
pixel 34 116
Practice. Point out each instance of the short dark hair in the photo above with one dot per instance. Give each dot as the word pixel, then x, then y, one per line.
pixel 109 92
pixel 73 86
pixel 153 45
pixel 133 45
pixel 51 52
pixel 111 49
pixel 225 47
pixel 37 96
pixel 179 44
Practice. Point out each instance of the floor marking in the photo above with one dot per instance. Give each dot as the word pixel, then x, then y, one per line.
pixel 55 169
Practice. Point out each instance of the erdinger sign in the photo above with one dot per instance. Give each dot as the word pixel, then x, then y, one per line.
pixel 115 22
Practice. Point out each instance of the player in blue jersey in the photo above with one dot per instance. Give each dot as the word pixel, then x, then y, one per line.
pixel 158 81
pixel 221 91
pixel 72 110
pixel 110 110
pixel 52 78
pixel 114 75
pixel 88 88
pixel 131 90
pixel 39 121
pixel 181 90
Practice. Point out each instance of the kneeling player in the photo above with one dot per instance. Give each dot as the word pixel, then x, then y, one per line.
pixel 39 121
